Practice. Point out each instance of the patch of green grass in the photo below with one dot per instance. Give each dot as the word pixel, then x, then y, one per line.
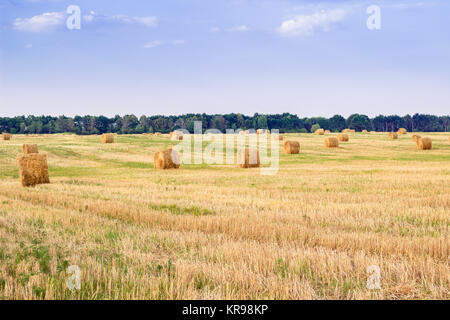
pixel 176 210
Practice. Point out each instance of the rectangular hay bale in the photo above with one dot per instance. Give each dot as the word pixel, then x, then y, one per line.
pixel 248 158
pixel 33 169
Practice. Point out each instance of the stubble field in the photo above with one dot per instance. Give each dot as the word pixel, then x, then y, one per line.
pixel 220 232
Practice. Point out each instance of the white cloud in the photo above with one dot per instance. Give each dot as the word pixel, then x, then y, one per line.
pixel 45 22
pixel 28 46
pixel 153 44
pixel 214 29
pixel 158 43
pixel 178 42
pixel 242 28
pixel 305 25
pixel 146 21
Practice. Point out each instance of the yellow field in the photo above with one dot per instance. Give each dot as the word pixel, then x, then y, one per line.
pixel 219 232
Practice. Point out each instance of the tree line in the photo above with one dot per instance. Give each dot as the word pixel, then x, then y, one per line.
pixel 286 122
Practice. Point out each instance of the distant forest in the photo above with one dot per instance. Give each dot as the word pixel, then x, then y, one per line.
pixel 285 122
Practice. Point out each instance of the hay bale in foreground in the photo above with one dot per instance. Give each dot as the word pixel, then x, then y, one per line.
pixel 291 147
pixel 107 138
pixel 33 169
pixel 343 137
pixel 331 142
pixel 30 148
pixel 424 144
pixel 6 136
pixel 248 158
pixel 393 135
pixel 415 138
pixel 402 131
pixel 167 159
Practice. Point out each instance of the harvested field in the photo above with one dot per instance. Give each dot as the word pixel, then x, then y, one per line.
pixel 216 231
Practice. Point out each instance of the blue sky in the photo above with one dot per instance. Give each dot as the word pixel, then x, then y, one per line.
pixel 311 58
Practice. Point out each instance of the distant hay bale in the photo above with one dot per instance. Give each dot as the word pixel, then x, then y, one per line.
pixel 393 135
pixel 167 159
pixel 320 132
pixel 30 148
pixel 291 147
pixel 327 131
pixel 343 137
pixel 373 132
pixel 6 136
pixel 331 142
pixel 33 169
pixel 415 138
pixel 108 138
pixel 248 158
pixel 176 135
pixel 402 131
pixel 364 131
pixel 345 130
pixel 280 137
pixel 352 131
pixel 424 144
pixel 157 133
pixel 260 131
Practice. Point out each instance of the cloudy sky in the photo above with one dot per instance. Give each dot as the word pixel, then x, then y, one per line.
pixel 311 58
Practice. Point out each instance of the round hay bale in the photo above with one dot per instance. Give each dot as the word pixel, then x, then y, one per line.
pixel 402 131
pixel 364 131
pixel 320 132
pixel 415 138
pixel 393 135
pixel 6 136
pixel 373 132
pixel 248 158
pixel 33 169
pixel 343 137
pixel 260 131
pixel 331 142
pixel 279 137
pixel 424 144
pixel 167 159
pixel 291 147
pixel 30 148
pixel 345 130
pixel 157 133
pixel 327 131
pixel 108 138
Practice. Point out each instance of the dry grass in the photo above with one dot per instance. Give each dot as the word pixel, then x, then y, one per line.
pixel 209 232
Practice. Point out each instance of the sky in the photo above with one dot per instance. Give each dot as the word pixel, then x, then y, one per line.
pixel 310 58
